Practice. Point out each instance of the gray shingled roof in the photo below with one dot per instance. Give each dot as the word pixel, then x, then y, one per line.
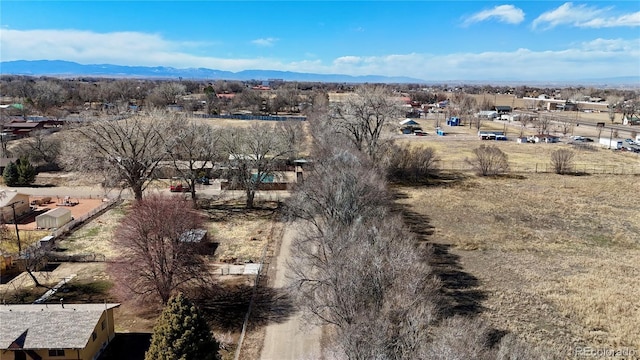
pixel 49 326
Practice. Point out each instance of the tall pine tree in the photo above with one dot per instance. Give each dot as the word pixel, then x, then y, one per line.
pixel 181 333
pixel 26 172
pixel 10 174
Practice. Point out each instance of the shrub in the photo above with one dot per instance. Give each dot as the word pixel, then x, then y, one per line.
pixel 411 164
pixel 562 161
pixel 489 160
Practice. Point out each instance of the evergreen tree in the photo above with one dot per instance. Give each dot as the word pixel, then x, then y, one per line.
pixel 181 333
pixel 26 172
pixel 10 174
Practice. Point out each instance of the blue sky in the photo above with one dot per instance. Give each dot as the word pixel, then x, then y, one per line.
pixel 430 40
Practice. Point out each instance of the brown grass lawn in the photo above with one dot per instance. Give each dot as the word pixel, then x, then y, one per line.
pixel 556 256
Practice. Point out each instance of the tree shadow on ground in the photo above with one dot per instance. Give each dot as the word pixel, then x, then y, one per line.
pixel 226 307
pixel 460 289
pixel 127 346
pixel 220 211
pixel 441 179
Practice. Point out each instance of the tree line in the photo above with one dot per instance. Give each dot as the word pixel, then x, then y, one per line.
pixel 356 266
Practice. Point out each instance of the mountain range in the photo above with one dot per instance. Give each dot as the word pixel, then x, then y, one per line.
pixel 60 68
pixel 67 68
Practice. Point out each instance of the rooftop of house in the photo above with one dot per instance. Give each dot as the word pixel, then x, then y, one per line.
pixel 8 197
pixel 49 326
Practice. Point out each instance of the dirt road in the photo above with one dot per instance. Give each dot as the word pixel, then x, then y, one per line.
pixel 292 339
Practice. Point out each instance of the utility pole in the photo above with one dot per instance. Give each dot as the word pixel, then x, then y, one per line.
pixel 611 138
pixel 15 222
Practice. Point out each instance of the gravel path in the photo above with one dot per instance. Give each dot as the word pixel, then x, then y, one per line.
pixel 292 339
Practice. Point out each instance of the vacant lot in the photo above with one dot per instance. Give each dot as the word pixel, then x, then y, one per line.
pixel 460 141
pixel 553 258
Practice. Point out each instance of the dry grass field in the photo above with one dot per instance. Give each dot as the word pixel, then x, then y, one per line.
pixel 459 143
pixel 94 237
pixel 554 258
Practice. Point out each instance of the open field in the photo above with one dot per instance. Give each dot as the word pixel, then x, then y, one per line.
pixel 554 258
pixel 459 143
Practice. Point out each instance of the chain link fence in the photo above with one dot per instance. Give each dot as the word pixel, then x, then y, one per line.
pixel 627 169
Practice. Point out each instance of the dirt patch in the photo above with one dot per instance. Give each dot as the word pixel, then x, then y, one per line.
pixel 241 234
pixel 80 208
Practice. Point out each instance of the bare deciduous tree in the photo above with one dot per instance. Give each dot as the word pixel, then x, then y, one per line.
pixel 253 156
pixel 294 136
pixel 340 187
pixel 41 148
pixel 489 160
pixel 193 148
pixel 562 161
pixel 125 151
pixel 47 95
pixel 157 254
pixel 543 124
pixel 364 116
pixel 613 102
pixel 166 93
pixel 566 126
pixel 524 121
pixel 351 271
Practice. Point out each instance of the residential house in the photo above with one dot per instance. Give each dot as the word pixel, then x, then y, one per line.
pixel 25 128
pixel 408 126
pixel 10 201
pixel 630 120
pixel 545 138
pixel 502 109
pixel 487 114
pixel 55 331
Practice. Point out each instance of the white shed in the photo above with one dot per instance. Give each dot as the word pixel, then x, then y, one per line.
pixel 53 218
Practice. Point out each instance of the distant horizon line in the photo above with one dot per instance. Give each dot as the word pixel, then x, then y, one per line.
pixel 187 73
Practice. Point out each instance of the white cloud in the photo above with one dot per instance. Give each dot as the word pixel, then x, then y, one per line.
pixel 121 48
pixel 264 42
pixel 593 59
pixel 504 13
pixel 347 60
pixel 585 16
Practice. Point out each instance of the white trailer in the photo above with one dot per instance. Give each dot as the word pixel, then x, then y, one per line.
pixel 615 144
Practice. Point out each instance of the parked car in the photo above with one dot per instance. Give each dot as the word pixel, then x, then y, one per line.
pixel 630 141
pixel 203 180
pixel 179 188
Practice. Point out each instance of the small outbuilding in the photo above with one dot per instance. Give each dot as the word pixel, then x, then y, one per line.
pixel 53 218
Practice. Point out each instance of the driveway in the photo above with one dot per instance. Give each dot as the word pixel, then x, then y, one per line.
pixel 293 339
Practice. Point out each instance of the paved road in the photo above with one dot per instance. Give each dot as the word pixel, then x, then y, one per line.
pixel 291 340
pixel 98 192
